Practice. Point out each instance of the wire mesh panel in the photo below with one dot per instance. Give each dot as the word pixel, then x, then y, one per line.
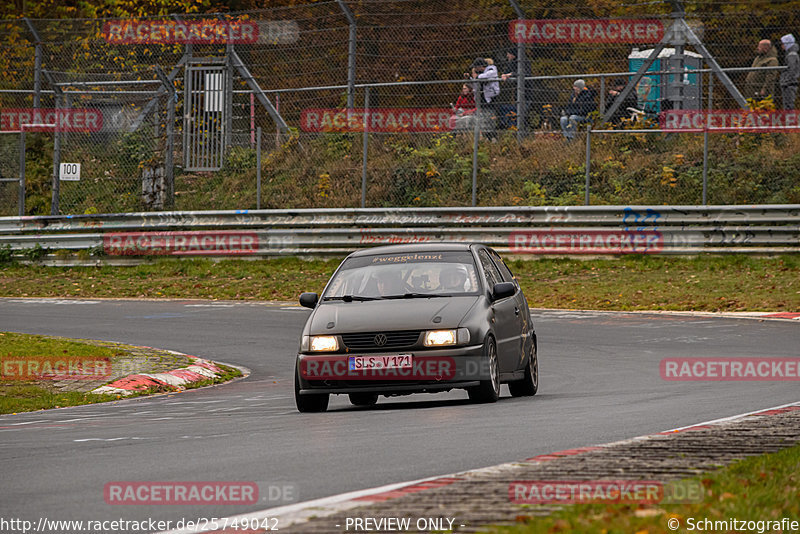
pixel 9 173
pixel 116 133
pixel 204 126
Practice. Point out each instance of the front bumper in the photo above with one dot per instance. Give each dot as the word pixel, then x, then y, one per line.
pixel 432 370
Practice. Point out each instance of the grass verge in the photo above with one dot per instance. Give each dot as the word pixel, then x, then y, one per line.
pixel 19 394
pixel 762 488
pixel 703 283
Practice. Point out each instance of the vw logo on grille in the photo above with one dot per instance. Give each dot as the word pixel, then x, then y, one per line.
pixel 380 340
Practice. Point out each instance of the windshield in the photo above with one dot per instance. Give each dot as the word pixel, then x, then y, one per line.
pixel 422 275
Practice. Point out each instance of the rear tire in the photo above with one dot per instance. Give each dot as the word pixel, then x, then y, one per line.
pixel 308 403
pixel 488 390
pixel 529 385
pixel 363 399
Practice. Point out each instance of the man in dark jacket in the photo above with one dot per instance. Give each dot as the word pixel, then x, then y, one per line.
pixel 630 102
pixel 508 92
pixel 789 76
pixel 581 103
pixel 761 84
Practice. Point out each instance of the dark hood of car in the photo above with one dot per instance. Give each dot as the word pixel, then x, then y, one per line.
pixel 395 314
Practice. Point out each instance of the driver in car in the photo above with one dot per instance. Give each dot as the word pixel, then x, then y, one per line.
pixel 452 279
pixel 390 283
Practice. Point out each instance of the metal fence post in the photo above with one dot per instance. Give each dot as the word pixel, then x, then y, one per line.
pixel 21 200
pixel 476 136
pixel 169 164
pixel 522 103
pixel 705 137
pixel 351 53
pixel 228 95
pixel 37 65
pixel 277 126
pixel 521 97
pixel 602 107
pixel 258 168
pixel 588 161
pixel 56 145
pixel 364 147
pixel 168 160
pixel 56 160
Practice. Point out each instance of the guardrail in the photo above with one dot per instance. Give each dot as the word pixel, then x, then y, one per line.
pixel 515 230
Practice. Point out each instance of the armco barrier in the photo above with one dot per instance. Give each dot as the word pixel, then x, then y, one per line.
pixel 516 230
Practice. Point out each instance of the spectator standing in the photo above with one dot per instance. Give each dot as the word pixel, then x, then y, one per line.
pixel 580 104
pixel 630 101
pixel 761 84
pixel 484 69
pixel 789 76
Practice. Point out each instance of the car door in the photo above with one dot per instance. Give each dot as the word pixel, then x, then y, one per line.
pixel 506 323
pixel 521 313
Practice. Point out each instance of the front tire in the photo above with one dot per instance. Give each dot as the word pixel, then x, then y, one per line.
pixel 529 385
pixel 308 403
pixel 488 390
pixel 363 399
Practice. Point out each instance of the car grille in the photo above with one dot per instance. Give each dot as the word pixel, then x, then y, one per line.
pixel 372 340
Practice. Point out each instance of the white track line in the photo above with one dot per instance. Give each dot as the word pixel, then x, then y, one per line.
pixel 318 508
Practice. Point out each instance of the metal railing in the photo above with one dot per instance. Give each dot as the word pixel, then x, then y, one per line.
pixel 607 230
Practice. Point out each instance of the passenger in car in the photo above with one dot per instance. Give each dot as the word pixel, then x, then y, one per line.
pixel 452 279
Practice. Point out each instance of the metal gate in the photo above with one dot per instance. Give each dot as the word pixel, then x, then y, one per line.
pixel 205 121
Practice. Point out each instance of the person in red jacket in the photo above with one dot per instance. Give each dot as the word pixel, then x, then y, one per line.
pixel 465 104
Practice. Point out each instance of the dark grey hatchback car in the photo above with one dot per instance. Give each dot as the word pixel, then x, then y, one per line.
pixel 405 319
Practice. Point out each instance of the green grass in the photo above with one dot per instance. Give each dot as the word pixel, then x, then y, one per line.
pixel 703 283
pixel 16 398
pixel 13 344
pixel 763 488
pixel 29 395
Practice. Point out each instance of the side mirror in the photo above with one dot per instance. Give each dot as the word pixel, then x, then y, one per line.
pixel 309 300
pixel 503 290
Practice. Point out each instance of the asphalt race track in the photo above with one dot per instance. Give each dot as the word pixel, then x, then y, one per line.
pixel 600 382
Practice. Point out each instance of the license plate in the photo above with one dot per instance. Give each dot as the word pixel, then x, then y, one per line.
pixel 397 361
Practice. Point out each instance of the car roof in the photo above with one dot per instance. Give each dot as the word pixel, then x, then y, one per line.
pixel 414 247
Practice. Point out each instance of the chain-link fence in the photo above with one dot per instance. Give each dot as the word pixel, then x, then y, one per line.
pixel 174 104
pixel 9 173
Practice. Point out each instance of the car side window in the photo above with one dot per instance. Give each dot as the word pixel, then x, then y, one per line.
pixel 505 272
pixel 492 274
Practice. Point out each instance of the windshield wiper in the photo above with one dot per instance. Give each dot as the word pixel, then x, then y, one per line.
pixel 351 298
pixel 414 296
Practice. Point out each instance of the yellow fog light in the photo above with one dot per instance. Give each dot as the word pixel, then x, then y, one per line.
pixel 438 338
pixel 324 344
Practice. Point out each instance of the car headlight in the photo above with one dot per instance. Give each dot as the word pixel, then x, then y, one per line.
pixel 324 344
pixel 441 338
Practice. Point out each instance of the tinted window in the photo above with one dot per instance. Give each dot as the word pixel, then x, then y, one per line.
pixel 492 274
pixel 505 272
